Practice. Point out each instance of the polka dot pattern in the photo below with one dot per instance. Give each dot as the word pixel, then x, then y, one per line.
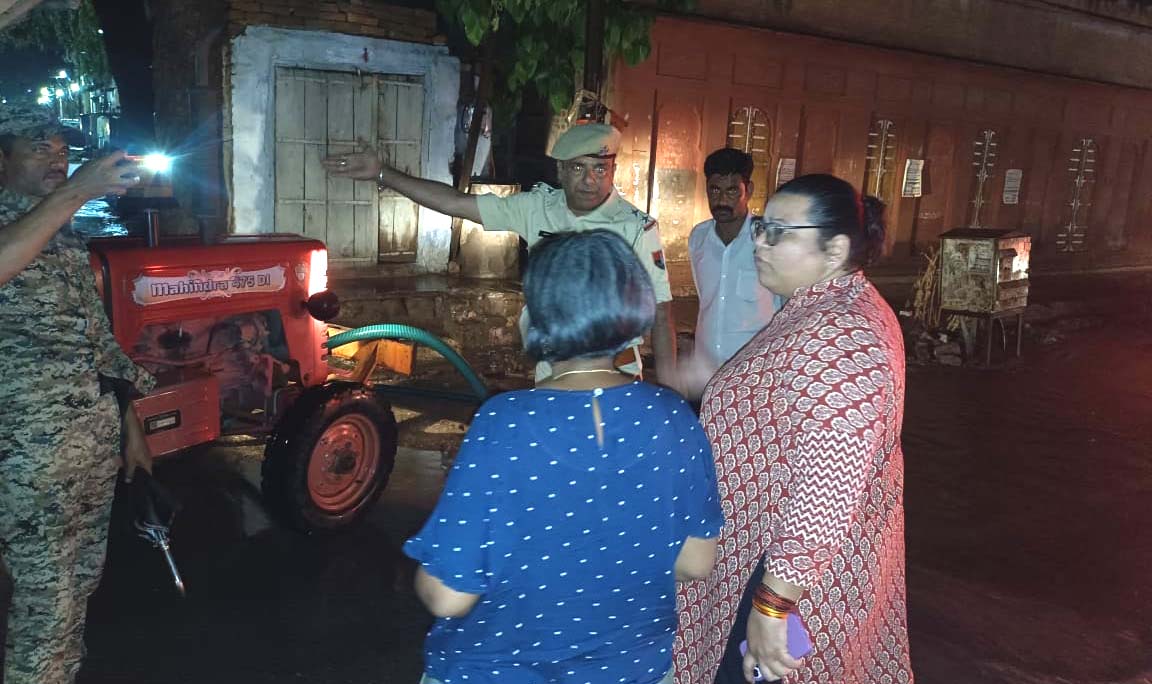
pixel 570 544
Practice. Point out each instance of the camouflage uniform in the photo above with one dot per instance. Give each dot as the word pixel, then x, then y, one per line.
pixel 5 603
pixel 59 449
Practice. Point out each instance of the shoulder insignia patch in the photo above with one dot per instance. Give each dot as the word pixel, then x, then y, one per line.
pixel 658 259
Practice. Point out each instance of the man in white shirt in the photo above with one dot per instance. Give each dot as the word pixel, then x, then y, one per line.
pixel 733 304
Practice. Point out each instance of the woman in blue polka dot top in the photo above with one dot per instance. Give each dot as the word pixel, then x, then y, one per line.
pixel 573 508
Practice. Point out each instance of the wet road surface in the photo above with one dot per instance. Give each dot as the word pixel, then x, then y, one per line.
pixel 1029 514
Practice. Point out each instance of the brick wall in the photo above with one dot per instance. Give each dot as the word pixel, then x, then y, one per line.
pixel 354 17
pixel 187 67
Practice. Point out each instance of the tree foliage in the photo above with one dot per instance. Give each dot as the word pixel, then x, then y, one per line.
pixel 541 42
pixel 75 33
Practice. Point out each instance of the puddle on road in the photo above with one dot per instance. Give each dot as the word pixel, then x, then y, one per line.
pixel 97 219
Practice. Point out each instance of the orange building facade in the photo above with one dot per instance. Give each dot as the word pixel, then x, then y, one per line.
pixel 1065 161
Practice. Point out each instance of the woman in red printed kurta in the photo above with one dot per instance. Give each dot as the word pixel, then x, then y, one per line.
pixel 805 428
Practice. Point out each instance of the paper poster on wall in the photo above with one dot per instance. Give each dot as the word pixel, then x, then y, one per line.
pixel 785 170
pixel 913 178
pixel 1012 181
pixel 980 257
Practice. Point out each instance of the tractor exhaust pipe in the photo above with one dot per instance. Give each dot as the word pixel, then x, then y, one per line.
pixel 152 230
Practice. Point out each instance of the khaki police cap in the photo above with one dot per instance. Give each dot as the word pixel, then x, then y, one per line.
pixel 35 122
pixel 587 140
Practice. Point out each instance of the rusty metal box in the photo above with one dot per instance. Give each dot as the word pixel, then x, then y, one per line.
pixel 983 271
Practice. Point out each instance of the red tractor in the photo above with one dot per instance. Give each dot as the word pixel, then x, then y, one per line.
pixel 236 334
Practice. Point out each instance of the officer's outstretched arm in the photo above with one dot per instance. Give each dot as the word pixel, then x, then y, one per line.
pixel 435 195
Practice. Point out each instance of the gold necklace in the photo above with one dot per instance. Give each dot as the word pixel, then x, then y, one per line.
pixel 580 372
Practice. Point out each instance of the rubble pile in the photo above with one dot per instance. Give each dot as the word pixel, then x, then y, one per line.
pixel 925 347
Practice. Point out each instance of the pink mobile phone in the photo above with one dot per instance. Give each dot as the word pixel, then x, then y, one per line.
pixel 799 643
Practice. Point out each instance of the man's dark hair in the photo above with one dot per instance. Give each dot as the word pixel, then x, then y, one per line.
pixel 6 142
pixel 727 161
pixel 587 295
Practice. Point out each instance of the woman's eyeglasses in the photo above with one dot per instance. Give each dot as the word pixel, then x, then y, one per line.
pixel 770 231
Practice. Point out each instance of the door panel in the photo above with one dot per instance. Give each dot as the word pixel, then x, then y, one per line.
pixel 289 215
pixel 401 127
pixel 319 113
pixel 678 171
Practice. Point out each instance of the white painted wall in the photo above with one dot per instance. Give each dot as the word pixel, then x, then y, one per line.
pixel 255 56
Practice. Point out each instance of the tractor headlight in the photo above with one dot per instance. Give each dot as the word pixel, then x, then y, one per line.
pixel 317 271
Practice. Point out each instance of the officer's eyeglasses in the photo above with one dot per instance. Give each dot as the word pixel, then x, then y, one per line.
pixel 578 169
pixel 771 231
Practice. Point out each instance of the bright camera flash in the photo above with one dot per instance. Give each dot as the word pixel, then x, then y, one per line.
pixel 157 163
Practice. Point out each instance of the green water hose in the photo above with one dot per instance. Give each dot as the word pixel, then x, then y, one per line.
pixel 407 333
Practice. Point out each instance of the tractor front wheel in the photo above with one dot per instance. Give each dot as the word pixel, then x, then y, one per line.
pixel 329 459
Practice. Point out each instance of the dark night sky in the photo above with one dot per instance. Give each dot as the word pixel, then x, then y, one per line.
pixel 128 41
pixel 24 69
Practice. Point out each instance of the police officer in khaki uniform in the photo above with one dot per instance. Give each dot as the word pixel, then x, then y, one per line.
pixel 60 425
pixel 586 159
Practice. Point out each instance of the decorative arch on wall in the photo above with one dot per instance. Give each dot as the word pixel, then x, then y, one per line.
pixel 750 130
pixel 1073 235
pixel 880 159
pixel 984 153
